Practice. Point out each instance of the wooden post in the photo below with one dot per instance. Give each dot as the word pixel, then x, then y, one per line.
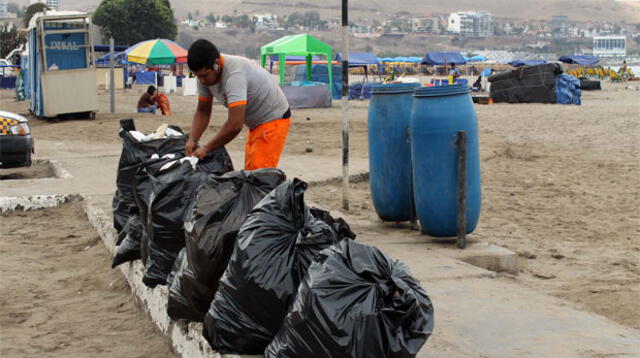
pixel 462 190
pixel 345 104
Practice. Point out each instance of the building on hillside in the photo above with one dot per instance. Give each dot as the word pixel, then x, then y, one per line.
pixel 559 25
pixel 424 24
pixel 471 23
pixel 610 46
pixel 266 22
pixel 3 9
pixel 52 4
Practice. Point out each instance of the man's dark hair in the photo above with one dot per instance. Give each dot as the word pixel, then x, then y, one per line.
pixel 151 90
pixel 202 54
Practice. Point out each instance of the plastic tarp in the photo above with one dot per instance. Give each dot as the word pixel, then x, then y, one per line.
pixel 400 59
pixel 275 246
pixel 585 60
pixel 24 70
pixel 355 302
pixel 119 59
pixel 520 63
pixel 316 96
pixel 34 87
pixel 441 58
pixel 476 58
pixel 320 73
pixel 567 89
pixel 146 77
pixel 528 84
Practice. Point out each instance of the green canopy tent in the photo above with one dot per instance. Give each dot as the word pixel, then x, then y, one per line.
pixel 298 45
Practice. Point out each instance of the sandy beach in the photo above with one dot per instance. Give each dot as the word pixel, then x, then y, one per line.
pixel 560 188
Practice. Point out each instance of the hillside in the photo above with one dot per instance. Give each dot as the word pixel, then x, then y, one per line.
pixel 577 10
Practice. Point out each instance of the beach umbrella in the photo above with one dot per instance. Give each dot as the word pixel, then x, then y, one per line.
pixel 156 52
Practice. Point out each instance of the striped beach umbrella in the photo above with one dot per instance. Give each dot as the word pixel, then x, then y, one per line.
pixel 156 52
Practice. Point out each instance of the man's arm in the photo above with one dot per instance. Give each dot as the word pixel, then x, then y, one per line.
pixel 200 122
pixel 230 129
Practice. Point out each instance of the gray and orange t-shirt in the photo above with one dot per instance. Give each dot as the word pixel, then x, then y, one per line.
pixel 244 82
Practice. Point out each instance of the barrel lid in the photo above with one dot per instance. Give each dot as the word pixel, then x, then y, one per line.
pixel 441 91
pixel 394 88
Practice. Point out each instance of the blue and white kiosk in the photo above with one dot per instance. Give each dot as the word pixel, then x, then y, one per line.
pixel 62 70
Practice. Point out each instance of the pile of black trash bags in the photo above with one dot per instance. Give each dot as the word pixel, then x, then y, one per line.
pixel 241 252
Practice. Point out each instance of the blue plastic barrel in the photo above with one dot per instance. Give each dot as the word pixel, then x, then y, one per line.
pixel 390 151
pixel 438 114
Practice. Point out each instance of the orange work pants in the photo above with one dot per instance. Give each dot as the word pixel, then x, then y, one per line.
pixel 265 143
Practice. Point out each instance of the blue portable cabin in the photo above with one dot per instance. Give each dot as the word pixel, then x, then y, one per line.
pixel 61 67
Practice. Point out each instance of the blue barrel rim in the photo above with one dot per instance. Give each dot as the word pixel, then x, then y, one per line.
pixel 394 88
pixel 438 91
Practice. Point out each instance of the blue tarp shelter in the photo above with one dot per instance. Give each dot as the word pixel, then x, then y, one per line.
pixel 519 63
pixel 476 58
pixel 442 58
pixel 585 60
pixel 400 59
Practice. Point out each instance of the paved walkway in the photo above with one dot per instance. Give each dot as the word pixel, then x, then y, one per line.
pixel 477 313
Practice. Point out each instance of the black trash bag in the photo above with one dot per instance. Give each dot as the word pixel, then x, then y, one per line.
pixel 181 261
pixel 341 228
pixel 215 162
pixel 142 193
pixel 275 246
pixel 120 214
pixel 355 302
pixel 129 248
pixel 173 190
pixel 134 153
pixel 211 225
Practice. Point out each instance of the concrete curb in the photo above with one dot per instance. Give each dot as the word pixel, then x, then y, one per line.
pixel 186 339
pixel 12 203
pixel 59 171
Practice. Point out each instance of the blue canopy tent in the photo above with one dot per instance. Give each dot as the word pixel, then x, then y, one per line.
pixel 357 59
pixel 443 58
pixel 585 60
pixel 360 59
pixel 520 63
